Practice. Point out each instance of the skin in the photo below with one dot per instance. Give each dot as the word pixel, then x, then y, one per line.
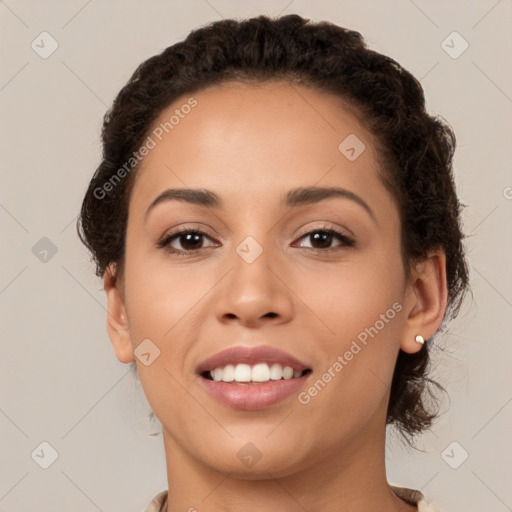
pixel 250 145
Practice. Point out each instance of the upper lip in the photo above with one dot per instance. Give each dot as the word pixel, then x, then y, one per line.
pixel 251 356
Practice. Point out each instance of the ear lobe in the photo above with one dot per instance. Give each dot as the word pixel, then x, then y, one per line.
pixel 426 300
pixel 117 320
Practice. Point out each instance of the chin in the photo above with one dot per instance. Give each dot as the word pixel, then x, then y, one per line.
pixel 257 461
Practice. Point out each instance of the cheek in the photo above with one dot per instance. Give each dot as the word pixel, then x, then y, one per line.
pixel 160 305
pixel 361 306
pixel 159 295
pixel 352 296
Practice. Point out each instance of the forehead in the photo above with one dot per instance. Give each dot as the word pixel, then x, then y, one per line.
pixel 250 139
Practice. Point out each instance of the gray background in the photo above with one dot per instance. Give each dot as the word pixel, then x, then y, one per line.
pixel 61 382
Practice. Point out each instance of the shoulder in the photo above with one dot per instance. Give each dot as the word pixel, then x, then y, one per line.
pixel 423 506
pixel 158 503
pixel 414 497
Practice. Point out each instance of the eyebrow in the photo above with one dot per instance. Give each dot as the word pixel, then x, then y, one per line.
pixel 293 198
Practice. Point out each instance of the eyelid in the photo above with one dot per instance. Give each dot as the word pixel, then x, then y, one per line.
pixel 185 227
pixel 326 227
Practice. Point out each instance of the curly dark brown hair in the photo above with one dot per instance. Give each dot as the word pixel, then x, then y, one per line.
pixel 416 149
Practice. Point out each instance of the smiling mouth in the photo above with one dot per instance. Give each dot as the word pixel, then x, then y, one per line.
pixel 260 373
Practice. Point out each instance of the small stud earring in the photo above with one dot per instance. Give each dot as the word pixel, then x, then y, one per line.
pixel 419 339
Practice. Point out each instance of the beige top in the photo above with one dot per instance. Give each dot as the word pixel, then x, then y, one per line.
pixel 159 502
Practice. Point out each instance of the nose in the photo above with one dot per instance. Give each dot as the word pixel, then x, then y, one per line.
pixel 255 291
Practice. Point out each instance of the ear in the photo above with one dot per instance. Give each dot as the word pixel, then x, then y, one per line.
pixel 426 299
pixel 117 319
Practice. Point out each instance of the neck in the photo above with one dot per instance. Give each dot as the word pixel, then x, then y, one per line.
pixel 349 478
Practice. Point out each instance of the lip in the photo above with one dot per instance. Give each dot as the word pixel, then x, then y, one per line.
pixel 251 356
pixel 252 396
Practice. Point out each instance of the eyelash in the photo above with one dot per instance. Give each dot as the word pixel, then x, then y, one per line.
pixel 165 242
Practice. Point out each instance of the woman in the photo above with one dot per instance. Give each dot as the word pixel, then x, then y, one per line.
pixel 277 228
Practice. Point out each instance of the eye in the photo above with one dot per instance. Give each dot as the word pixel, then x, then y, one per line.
pixel 323 238
pixel 190 241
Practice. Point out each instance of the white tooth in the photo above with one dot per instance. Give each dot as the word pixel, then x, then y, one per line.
pixel 229 373
pixel 260 372
pixel 243 373
pixel 276 371
pixel 217 374
pixel 297 374
pixel 288 372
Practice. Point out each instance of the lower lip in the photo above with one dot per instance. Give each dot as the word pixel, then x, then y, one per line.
pixel 250 397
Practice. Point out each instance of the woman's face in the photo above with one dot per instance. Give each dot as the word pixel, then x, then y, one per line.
pixel 265 274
